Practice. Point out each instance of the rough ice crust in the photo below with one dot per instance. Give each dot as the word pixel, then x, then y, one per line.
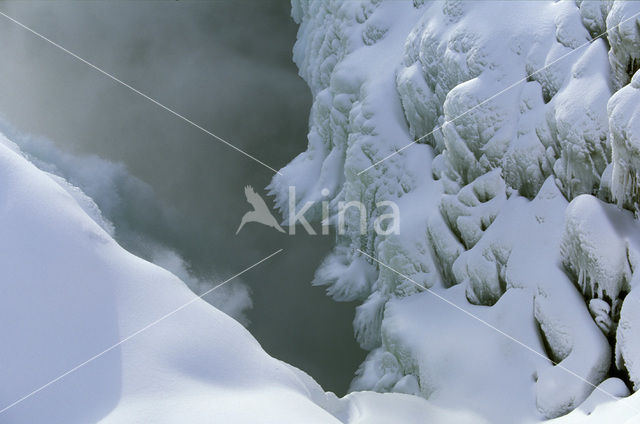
pixel 526 122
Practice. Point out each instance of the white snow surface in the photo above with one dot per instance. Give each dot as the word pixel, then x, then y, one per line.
pixel 518 199
pixel 509 296
pixel 70 293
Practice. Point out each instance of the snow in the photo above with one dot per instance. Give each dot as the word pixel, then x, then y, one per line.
pixel 525 122
pixel 509 294
pixel 459 357
pixel 70 293
pixel 130 211
pixel 623 122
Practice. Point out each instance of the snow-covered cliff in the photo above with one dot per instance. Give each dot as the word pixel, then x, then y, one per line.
pixel 518 195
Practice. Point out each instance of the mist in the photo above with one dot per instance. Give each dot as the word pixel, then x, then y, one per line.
pixel 177 194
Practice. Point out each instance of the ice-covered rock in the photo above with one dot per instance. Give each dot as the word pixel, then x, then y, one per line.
pixel 624 37
pixel 578 123
pixel 627 346
pixel 457 357
pixel 595 250
pixel 624 118
pixel 520 115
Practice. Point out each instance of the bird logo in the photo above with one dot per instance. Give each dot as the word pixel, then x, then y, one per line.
pixel 260 212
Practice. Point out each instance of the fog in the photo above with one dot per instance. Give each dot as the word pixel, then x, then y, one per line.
pixel 168 187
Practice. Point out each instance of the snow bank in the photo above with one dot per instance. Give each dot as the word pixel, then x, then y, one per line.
pixel 70 292
pixel 130 211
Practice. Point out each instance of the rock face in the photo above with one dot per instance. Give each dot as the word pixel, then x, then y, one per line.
pixel 517 195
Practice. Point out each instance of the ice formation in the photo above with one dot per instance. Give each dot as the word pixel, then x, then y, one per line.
pixel 518 196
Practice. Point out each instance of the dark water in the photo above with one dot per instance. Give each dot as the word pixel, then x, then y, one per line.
pixel 227 66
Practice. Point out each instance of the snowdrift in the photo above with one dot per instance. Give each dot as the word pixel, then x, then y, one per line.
pixel 82 326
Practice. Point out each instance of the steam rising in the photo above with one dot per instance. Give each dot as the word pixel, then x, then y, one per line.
pixel 173 193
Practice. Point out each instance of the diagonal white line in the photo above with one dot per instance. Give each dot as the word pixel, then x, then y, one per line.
pixel 154 101
pixel 496 95
pixel 146 327
pixel 495 329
